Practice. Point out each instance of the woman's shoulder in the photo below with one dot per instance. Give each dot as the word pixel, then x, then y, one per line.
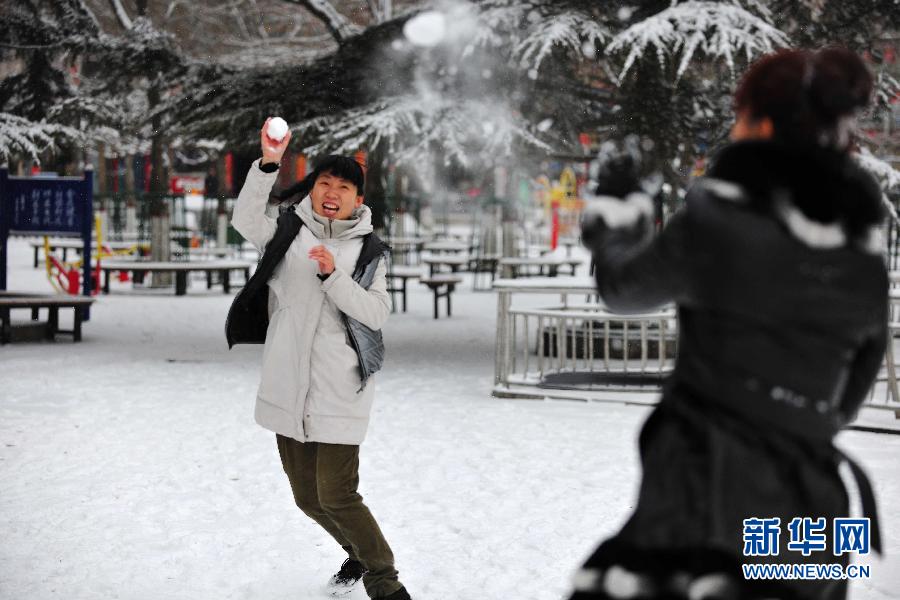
pixel 820 198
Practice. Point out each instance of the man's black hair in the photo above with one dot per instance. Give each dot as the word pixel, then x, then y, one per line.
pixel 333 164
pixel 343 167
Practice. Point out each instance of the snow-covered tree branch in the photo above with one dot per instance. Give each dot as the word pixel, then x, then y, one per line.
pixel 572 31
pixel 717 29
pixel 464 131
pixel 20 136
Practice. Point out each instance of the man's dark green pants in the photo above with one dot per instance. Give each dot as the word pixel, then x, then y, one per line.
pixel 324 479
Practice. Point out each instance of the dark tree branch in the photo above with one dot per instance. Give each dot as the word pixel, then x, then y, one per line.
pixel 121 15
pixel 338 26
pixel 374 9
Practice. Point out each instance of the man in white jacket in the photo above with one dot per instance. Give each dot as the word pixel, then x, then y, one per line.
pixel 314 393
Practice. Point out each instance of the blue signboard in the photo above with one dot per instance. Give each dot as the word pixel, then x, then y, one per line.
pixel 47 206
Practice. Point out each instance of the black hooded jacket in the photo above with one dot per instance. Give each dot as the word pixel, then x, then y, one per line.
pixel 780 284
pixel 782 296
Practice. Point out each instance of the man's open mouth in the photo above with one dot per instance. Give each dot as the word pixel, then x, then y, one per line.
pixel 329 208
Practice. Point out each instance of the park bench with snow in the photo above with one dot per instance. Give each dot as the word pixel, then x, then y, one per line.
pixel 35 302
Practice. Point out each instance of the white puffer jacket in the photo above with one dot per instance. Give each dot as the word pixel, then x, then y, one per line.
pixel 310 383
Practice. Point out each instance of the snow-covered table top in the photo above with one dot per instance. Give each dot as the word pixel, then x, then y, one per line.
pixel 547 285
pixel 454 259
pixel 179 265
pixel 19 299
pixel 446 246
pixel 539 261
pixel 208 251
pixel 77 243
pixel 405 241
pixel 405 271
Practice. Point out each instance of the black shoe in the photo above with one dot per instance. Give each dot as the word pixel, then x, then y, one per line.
pixel 343 581
pixel 400 594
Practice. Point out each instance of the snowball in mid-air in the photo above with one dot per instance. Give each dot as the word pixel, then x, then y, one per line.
pixel 625 13
pixel 426 28
pixel 277 129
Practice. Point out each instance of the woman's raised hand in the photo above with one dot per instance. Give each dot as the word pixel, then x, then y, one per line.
pixel 272 150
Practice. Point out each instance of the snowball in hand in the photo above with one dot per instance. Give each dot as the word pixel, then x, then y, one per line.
pixel 426 28
pixel 277 129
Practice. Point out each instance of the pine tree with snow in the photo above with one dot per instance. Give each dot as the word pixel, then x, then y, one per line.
pixel 510 79
pixel 494 81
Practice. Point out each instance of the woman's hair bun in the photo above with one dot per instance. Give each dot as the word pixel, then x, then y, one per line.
pixel 840 82
pixel 806 93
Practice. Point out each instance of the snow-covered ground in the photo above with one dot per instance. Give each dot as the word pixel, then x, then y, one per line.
pixel 130 465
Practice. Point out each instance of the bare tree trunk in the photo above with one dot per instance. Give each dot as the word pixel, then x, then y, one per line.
pixel 129 208
pixel 101 168
pixel 375 192
pixel 221 209
pixel 160 232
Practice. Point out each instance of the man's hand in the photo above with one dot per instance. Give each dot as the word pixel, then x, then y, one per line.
pixel 272 150
pixel 321 255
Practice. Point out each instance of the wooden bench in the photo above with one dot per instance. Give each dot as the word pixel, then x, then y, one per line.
pixel 35 302
pixel 180 269
pixel 548 265
pixel 436 282
pixel 401 274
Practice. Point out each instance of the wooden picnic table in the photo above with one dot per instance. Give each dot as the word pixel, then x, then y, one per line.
pixel 481 264
pixel 537 249
pixel 447 246
pixel 404 249
pixel 205 252
pixel 442 286
pixel 35 302
pixel 180 270
pixel 551 264
pixel 569 243
pixel 405 241
pixel 455 262
pixel 403 274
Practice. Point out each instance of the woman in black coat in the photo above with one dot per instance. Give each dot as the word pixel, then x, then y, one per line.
pixel 775 265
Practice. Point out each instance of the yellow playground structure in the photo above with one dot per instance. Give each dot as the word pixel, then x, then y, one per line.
pixel 560 201
pixel 65 276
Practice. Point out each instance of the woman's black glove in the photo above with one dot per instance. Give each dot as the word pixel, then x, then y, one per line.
pixel 617 203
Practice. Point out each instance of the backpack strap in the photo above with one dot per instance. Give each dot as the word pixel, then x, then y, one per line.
pixel 287 228
pixel 372 248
